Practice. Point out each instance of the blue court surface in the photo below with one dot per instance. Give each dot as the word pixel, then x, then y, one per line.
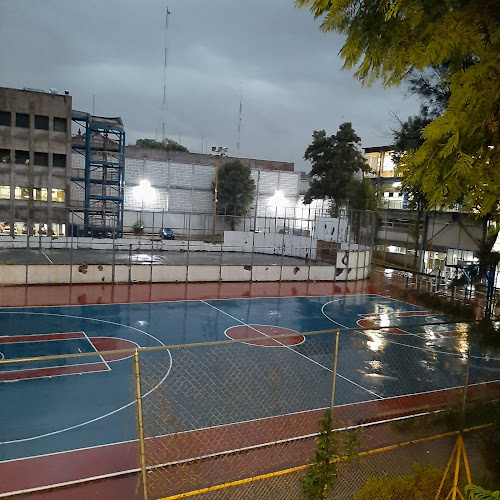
pixel 60 405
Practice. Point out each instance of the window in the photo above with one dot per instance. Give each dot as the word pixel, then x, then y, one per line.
pixel 5 118
pixel 41 159
pixel 60 124
pixel 4 192
pixel 22 157
pixel 22 120
pixel 58 195
pixel 42 122
pixel 40 194
pixel 59 160
pixel 4 155
pixel 21 193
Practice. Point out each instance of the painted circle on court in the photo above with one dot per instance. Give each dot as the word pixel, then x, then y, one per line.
pixel 113 407
pixel 242 332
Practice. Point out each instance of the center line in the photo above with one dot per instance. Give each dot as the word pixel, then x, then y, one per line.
pixel 293 350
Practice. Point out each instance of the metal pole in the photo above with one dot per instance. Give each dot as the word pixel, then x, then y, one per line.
pixel 335 362
pixel 466 383
pixel 130 263
pixel 187 255
pixel 152 248
pixel 113 255
pixel 142 453
pixel 216 183
pixel 71 250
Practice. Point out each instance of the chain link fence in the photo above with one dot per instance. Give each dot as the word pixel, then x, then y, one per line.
pixel 170 247
pixel 239 419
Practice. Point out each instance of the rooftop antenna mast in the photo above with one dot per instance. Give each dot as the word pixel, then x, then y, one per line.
pixel 165 78
pixel 239 121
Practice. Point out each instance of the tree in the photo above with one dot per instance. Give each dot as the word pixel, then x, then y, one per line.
pixel 166 145
pixel 480 493
pixel 330 445
pixel 459 158
pixel 235 190
pixel 337 170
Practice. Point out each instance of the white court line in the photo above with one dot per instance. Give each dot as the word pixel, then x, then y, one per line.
pixel 95 349
pixel 46 256
pixel 31 438
pixel 293 350
pixel 419 336
pixel 208 456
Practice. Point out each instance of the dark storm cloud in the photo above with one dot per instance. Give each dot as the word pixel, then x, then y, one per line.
pixel 292 82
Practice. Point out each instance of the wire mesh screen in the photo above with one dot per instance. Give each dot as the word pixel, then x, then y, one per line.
pixel 240 419
pixel 233 410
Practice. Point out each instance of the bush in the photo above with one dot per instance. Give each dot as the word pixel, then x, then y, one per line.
pixel 422 483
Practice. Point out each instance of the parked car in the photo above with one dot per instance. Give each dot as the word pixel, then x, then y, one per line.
pixel 167 234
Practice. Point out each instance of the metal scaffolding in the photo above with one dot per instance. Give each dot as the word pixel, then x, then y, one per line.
pixel 103 175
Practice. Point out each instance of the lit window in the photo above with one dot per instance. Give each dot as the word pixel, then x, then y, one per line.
pixel 22 193
pixel 40 194
pixel 4 192
pixel 58 195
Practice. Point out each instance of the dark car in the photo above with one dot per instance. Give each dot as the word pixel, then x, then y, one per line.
pixel 167 234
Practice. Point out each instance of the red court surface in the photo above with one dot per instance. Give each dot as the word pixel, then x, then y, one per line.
pixel 42 295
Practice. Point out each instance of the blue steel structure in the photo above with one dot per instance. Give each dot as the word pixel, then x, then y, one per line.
pixel 103 179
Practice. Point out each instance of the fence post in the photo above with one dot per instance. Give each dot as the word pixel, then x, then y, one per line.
pixel 113 257
pixel 138 397
pixel 130 263
pixel 335 362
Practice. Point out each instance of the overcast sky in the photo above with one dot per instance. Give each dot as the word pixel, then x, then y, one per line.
pixel 289 71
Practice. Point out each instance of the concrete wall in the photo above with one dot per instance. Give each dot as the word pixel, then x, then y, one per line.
pixel 35 140
pixel 51 274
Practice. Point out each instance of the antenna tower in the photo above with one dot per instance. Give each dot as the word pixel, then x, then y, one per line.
pixel 239 121
pixel 165 78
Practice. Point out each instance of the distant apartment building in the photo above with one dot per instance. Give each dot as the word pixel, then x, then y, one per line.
pixel 386 182
pixel 435 243
pixel 35 161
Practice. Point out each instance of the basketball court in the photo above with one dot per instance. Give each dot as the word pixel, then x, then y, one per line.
pixel 67 419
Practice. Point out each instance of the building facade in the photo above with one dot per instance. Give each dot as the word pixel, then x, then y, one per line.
pixel 436 243
pixel 35 161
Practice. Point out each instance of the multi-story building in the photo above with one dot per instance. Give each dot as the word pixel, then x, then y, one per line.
pixel 35 161
pixel 439 241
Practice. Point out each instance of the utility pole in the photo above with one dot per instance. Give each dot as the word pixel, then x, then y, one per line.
pixel 218 152
pixel 165 78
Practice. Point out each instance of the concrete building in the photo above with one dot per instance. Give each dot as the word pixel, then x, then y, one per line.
pixel 436 243
pixel 35 161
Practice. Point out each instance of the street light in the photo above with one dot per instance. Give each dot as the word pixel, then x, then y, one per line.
pixel 218 152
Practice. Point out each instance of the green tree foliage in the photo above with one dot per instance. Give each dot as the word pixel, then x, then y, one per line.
pixel 166 145
pixel 421 484
pixel 479 493
pixel 337 169
pixel 459 158
pixel 330 444
pixel 235 190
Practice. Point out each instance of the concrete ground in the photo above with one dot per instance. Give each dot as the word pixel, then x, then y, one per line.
pixel 86 256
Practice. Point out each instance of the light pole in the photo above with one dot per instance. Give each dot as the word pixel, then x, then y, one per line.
pixel 218 152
